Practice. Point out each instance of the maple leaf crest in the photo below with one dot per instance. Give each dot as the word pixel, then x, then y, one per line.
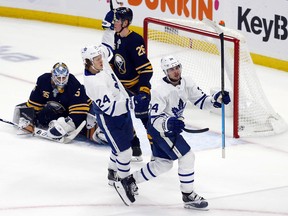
pixel 178 111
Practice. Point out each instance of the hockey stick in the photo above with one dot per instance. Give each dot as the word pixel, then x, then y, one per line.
pixel 188 130
pixel 8 122
pixel 43 133
pixel 221 36
pixel 118 3
pixel 111 5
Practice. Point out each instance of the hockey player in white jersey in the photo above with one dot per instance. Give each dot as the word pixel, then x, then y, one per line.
pixel 168 101
pixel 111 105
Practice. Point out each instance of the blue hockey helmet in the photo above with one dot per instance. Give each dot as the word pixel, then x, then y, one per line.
pixel 124 13
pixel 60 74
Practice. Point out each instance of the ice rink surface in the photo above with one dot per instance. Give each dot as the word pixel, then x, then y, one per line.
pixel 39 177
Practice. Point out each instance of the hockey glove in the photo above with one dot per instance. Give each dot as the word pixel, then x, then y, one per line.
pixel 141 103
pixel 174 125
pixel 25 125
pixel 218 98
pixel 60 127
pixel 108 21
pixel 52 110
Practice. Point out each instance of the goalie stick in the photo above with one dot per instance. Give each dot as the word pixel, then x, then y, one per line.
pixel 221 36
pixel 65 139
pixel 43 133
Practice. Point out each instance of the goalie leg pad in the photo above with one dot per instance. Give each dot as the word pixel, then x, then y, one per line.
pixel 24 116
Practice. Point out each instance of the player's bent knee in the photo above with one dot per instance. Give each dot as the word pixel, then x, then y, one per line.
pixel 187 160
pixel 125 156
pixel 162 165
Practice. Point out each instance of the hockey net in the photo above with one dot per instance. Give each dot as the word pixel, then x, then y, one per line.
pixel 197 47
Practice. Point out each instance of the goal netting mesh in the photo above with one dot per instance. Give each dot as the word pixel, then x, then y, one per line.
pixel 197 47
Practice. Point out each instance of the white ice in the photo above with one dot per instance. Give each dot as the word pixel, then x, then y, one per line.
pixel 39 177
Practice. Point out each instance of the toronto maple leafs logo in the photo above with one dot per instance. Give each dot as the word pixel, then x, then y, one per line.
pixel 178 111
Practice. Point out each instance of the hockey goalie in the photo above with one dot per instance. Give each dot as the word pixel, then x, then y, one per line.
pixel 57 107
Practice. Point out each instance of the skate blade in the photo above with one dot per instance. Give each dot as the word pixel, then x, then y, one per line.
pixel 121 192
pixel 111 183
pixel 190 206
pixel 136 159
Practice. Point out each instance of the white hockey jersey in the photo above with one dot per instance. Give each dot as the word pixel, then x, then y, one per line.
pixel 106 91
pixel 170 101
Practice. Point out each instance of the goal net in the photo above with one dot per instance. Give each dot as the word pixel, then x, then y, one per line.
pixel 197 47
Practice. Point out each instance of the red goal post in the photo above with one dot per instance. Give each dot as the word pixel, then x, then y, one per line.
pixel 197 46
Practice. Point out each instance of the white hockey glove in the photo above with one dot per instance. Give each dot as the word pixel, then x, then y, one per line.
pixel 107 52
pixel 25 125
pixel 60 127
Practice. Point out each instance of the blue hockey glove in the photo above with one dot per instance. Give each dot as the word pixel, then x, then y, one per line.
pixel 52 110
pixel 218 98
pixel 175 125
pixel 108 21
pixel 141 103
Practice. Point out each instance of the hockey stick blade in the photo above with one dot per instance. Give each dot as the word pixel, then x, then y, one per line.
pixel 188 130
pixel 74 133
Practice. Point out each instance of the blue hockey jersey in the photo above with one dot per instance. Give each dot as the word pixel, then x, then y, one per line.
pixel 73 98
pixel 131 64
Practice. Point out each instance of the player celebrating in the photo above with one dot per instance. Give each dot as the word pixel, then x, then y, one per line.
pixel 130 63
pixel 111 104
pixel 165 126
pixel 58 101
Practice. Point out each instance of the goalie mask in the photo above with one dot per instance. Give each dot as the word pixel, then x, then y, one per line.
pixel 60 75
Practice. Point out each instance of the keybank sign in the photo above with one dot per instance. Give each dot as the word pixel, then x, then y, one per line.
pixel 276 28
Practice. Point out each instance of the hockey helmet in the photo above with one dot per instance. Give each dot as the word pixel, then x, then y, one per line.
pixel 124 13
pixel 168 62
pixel 90 52
pixel 60 74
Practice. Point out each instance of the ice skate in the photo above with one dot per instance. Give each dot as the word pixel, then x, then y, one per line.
pixel 194 201
pixel 112 177
pixel 136 154
pixel 126 188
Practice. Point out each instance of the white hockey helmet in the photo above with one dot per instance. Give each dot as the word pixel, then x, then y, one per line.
pixel 168 62
pixel 90 52
pixel 60 74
